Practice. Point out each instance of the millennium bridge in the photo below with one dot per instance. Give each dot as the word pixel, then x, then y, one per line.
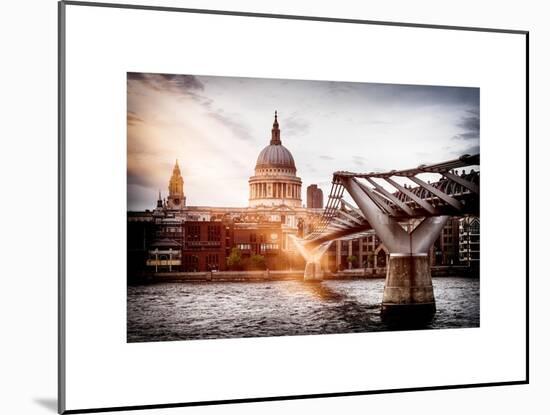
pixel 408 290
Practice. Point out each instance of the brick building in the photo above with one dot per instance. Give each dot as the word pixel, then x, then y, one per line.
pixel 206 245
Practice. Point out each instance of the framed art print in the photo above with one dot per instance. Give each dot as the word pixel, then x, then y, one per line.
pixel 262 207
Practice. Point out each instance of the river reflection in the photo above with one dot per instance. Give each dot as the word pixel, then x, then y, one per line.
pixel 210 310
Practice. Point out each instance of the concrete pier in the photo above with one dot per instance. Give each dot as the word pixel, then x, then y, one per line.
pixel 313 271
pixel 408 291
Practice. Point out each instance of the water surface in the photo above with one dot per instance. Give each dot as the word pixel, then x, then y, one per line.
pixel 212 310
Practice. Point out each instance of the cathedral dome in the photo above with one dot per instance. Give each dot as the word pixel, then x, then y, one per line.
pixel 274 182
pixel 275 155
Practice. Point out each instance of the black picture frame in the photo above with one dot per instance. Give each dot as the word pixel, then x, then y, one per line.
pixel 61 205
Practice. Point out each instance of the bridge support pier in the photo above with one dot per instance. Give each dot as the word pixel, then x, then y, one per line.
pixel 313 271
pixel 408 291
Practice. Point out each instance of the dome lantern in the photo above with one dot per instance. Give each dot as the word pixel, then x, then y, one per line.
pixel 275 133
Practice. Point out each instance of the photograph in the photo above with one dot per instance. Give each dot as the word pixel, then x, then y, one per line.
pixel 274 207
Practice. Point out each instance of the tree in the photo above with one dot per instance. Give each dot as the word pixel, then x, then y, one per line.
pixel 234 260
pixel 257 262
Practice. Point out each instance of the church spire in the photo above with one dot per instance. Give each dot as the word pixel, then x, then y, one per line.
pixel 275 132
pixel 176 197
pixel 159 201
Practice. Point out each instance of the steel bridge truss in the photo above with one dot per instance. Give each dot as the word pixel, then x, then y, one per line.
pixel 455 194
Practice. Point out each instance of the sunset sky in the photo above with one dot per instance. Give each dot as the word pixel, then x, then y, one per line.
pixel 216 127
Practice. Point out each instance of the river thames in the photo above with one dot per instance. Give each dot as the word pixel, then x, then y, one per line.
pixel 213 310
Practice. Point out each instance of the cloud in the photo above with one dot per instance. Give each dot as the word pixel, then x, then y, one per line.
pixel 336 88
pixel 407 95
pixel 190 86
pixel 136 76
pixel 427 95
pixel 238 128
pixel 240 165
pixel 140 145
pixel 470 135
pixel 471 121
pixel 141 198
pixel 140 178
pixel 377 122
pixel 471 150
pixel 295 125
pixel 470 126
pixel 132 118
pixel 311 168
pixel 186 84
pixel 359 160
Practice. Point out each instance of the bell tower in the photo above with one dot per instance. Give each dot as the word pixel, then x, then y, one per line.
pixel 176 197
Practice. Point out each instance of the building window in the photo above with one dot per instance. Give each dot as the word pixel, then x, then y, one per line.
pixel 214 232
pixel 269 247
pixel 193 233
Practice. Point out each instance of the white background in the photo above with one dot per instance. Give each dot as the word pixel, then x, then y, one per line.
pixel 29 294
